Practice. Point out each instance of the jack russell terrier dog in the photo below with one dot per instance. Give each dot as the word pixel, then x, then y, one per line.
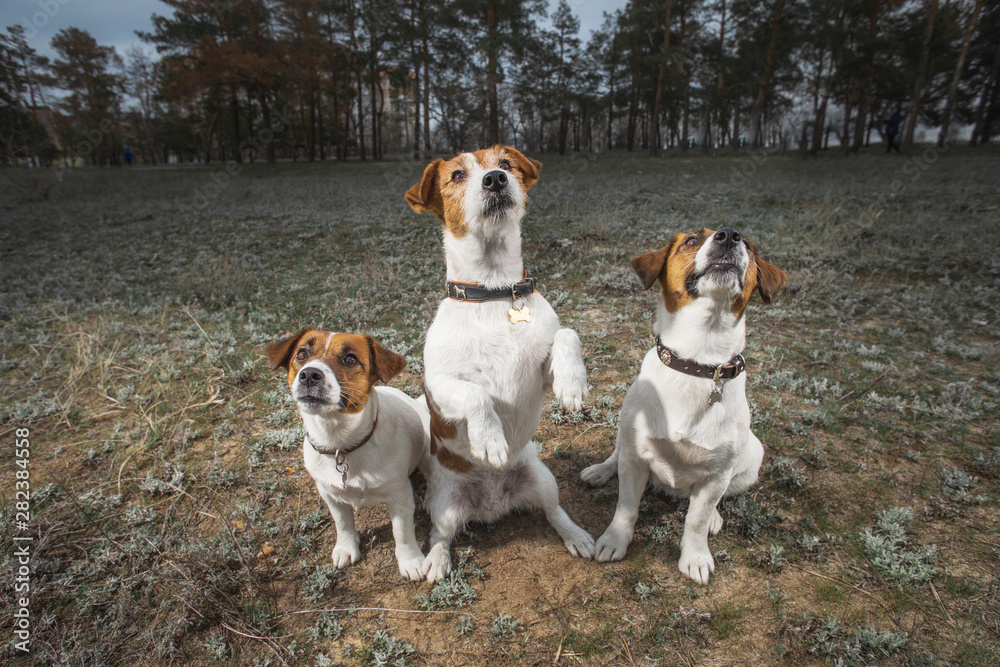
pixel 362 442
pixel 685 422
pixel 493 349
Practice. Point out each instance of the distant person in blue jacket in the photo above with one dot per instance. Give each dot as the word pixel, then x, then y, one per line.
pixel 128 156
pixel 892 124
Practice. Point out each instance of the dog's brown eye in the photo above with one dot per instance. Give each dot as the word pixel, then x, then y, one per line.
pixel 302 354
pixel 457 176
pixel 350 360
pixel 692 240
pixel 505 165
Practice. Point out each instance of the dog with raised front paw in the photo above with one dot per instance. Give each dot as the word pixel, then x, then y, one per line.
pixel 685 421
pixel 493 350
pixel 361 441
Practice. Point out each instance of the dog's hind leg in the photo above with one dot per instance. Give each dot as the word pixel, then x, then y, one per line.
pixel 599 473
pixel 544 491
pixel 748 466
pixel 446 521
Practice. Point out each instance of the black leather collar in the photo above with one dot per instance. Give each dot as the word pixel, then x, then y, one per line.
pixel 726 371
pixel 476 293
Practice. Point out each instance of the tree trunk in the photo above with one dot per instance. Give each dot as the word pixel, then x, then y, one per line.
pixel 492 74
pixel 736 123
pixel 416 90
pixel 654 145
pixel 719 70
pixel 869 77
pixel 337 134
pixel 953 89
pixel 765 81
pixel 312 126
pixel 633 111
pixel 980 132
pixel 375 86
pixel 427 91
pixel 356 63
pixel 235 104
pixel 265 113
pixel 845 138
pixel 921 79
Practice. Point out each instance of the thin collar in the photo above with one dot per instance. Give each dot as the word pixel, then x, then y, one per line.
pixel 726 371
pixel 341 452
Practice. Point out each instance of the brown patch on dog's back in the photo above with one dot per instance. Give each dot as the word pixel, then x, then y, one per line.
pixel 453 461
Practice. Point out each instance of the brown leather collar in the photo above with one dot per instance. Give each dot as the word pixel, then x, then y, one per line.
pixel 726 371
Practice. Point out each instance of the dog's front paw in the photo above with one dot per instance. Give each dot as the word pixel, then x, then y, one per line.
pixel 599 473
pixel 488 444
pixel 612 546
pixel 345 555
pixel 411 564
pixel 570 392
pixel 696 564
pixel 579 543
pixel 436 566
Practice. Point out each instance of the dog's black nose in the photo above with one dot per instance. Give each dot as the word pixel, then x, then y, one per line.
pixel 728 237
pixel 310 377
pixel 495 181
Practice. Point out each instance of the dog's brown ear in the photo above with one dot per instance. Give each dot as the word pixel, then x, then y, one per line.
pixel 529 168
pixel 426 195
pixel 770 279
pixel 386 364
pixel 280 353
pixel 650 266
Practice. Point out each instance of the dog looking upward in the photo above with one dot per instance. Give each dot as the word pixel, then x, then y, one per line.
pixel 493 350
pixel 362 441
pixel 685 421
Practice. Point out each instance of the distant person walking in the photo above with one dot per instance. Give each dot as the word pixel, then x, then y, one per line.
pixel 128 156
pixel 892 124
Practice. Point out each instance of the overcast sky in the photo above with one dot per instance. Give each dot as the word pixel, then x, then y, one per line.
pixel 114 22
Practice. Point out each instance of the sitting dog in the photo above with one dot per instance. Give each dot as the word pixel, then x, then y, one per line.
pixel 492 351
pixel 685 421
pixel 362 442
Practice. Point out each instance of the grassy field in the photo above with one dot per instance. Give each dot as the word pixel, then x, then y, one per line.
pixel 173 522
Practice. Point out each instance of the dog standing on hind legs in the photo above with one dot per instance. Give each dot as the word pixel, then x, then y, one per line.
pixel 685 421
pixel 493 349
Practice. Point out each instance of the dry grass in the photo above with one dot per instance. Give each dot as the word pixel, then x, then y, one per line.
pixel 174 523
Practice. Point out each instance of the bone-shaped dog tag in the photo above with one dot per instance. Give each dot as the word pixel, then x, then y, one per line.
pixel 519 315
